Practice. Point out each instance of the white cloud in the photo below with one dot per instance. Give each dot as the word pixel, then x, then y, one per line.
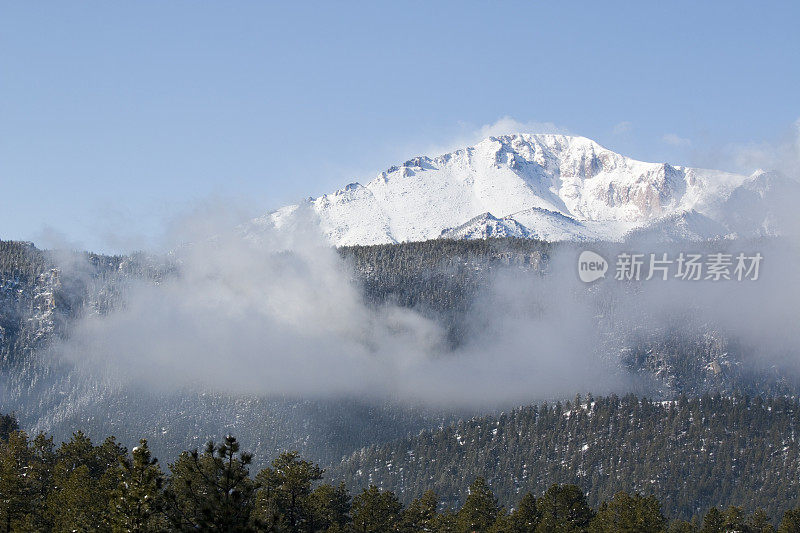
pixel 508 125
pixel 471 134
pixel 783 155
pixel 779 153
pixel 675 140
pixel 284 306
pixel 622 127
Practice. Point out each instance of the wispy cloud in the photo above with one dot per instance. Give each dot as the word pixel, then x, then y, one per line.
pixel 622 127
pixel 783 156
pixel 283 305
pixel 508 125
pixel 780 153
pixel 673 139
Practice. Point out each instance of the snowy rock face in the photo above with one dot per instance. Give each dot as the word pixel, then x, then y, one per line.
pixel 550 187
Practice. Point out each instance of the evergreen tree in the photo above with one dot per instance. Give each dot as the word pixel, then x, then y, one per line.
pixel 84 477
pixel 759 522
pixel 8 423
pixel 564 509
pixel 40 477
pixel 734 519
pixel 137 504
pixel 330 508
pixel 212 491
pixel 376 511
pixel 420 515
pixel 480 509
pixel 283 497
pixel 446 522
pixel 15 488
pixel 525 518
pixel 626 513
pixel 790 522
pixel 682 526
pixel 713 521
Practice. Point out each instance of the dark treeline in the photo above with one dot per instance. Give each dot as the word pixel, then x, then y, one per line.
pixel 692 453
pixel 80 486
pixel 440 277
pixel 21 260
pixel 42 292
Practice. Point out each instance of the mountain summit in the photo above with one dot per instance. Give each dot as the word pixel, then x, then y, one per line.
pixel 550 187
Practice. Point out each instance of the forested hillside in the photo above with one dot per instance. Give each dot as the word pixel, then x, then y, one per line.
pixel 45 293
pixel 440 278
pixel 42 294
pixel 83 486
pixel 665 356
pixel 692 453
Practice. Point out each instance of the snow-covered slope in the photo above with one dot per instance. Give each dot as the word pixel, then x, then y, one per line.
pixel 486 226
pixel 551 187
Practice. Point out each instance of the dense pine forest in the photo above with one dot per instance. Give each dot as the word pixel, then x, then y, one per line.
pixel 440 275
pixel 440 278
pixel 81 486
pixel 719 459
pixel 43 294
pixel 692 453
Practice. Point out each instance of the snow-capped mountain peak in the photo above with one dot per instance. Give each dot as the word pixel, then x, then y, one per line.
pixel 546 186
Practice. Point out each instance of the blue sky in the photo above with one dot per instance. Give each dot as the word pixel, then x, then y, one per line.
pixel 116 117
